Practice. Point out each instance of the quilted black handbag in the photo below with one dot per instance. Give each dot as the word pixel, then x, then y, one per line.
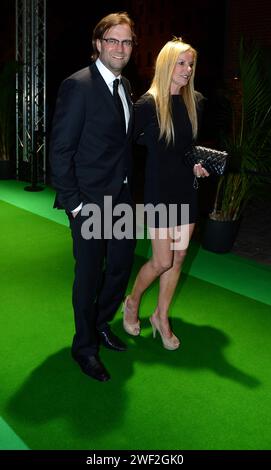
pixel 214 161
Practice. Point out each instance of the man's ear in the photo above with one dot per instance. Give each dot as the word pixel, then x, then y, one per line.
pixel 98 44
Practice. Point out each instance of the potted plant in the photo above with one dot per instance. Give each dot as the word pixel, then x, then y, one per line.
pixel 7 119
pixel 246 136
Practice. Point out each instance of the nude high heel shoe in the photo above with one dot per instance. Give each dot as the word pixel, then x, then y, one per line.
pixel 130 328
pixel 171 343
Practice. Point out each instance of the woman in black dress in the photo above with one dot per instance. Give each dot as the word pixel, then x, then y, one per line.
pixel 166 123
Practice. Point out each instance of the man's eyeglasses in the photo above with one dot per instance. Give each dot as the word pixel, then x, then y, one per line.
pixel 116 42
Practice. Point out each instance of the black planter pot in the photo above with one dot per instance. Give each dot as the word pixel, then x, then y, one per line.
pixel 6 169
pixel 218 236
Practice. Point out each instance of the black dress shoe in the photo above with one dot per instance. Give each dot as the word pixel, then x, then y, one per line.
pixel 93 367
pixel 111 341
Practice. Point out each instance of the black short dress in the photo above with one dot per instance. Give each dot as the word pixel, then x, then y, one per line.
pixel 168 179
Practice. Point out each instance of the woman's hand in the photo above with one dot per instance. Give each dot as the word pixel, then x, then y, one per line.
pixel 199 171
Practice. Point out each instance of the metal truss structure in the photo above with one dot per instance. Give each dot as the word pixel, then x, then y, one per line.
pixel 31 89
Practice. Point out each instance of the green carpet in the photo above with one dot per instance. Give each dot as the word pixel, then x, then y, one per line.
pixel 8 439
pixel 212 393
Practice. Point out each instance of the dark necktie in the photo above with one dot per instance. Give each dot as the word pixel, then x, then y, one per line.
pixel 118 101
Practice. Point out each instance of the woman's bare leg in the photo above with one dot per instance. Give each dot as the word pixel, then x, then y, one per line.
pixel 169 280
pixel 161 261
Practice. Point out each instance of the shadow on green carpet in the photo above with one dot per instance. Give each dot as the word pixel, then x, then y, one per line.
pixel 57 388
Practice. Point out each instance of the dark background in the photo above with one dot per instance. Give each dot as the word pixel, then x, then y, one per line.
pixel 70 28
pixel 213 27
pixel 70 25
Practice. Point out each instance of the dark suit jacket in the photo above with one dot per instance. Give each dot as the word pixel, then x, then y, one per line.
pixel 90 155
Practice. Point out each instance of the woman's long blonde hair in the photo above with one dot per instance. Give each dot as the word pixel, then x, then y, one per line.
pixel 160 88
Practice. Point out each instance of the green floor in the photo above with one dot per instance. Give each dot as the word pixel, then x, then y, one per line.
pixel 212 393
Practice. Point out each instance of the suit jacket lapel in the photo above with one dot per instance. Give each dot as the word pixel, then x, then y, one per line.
pixel 104 90
pixel 130 103
pixel 99 81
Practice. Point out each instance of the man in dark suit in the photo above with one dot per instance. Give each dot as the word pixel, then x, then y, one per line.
pixel 90 156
